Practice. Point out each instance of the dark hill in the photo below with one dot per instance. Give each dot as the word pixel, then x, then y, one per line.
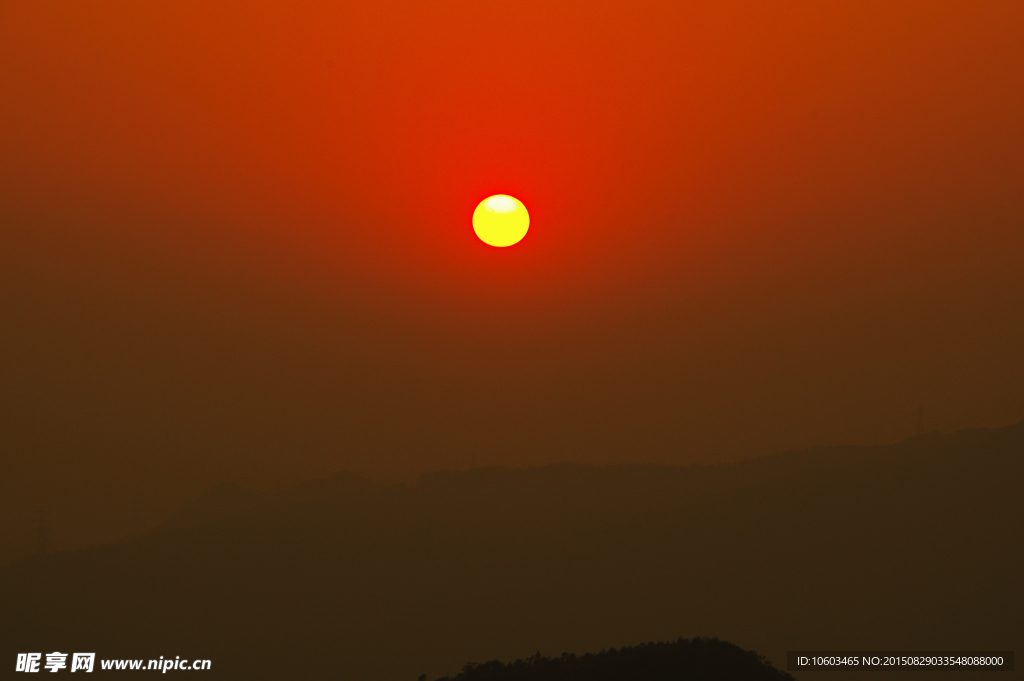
pixel 910 546
pixel 694 660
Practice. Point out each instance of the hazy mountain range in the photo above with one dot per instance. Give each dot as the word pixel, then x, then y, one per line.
pixel 910 546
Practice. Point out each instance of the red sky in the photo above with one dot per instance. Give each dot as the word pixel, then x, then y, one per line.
pixel 236 240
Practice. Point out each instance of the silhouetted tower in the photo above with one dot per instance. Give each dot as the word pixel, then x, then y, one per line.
pixel 41 531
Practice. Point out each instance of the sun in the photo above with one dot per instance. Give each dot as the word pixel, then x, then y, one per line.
pixel 501 220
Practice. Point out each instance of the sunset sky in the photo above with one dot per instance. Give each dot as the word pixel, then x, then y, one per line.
pixel 235 238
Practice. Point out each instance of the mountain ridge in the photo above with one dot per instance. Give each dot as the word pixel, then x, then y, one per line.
pixel 346 483
pixel 907 546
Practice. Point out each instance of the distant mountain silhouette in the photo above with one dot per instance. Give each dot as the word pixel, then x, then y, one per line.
pixel 215 510
pixel 910 546
pixel 694 660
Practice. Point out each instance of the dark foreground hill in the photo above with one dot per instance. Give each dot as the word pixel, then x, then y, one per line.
pixel 915 546
pixel 699 659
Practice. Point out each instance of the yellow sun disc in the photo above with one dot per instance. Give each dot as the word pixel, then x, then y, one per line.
pixel 501 220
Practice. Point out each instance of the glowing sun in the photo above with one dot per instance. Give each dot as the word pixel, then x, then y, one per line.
pixel 501 220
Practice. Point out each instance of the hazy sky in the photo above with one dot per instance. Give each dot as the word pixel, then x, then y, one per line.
pixel 235 238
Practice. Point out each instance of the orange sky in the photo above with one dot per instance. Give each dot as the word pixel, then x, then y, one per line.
pixel 236 237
